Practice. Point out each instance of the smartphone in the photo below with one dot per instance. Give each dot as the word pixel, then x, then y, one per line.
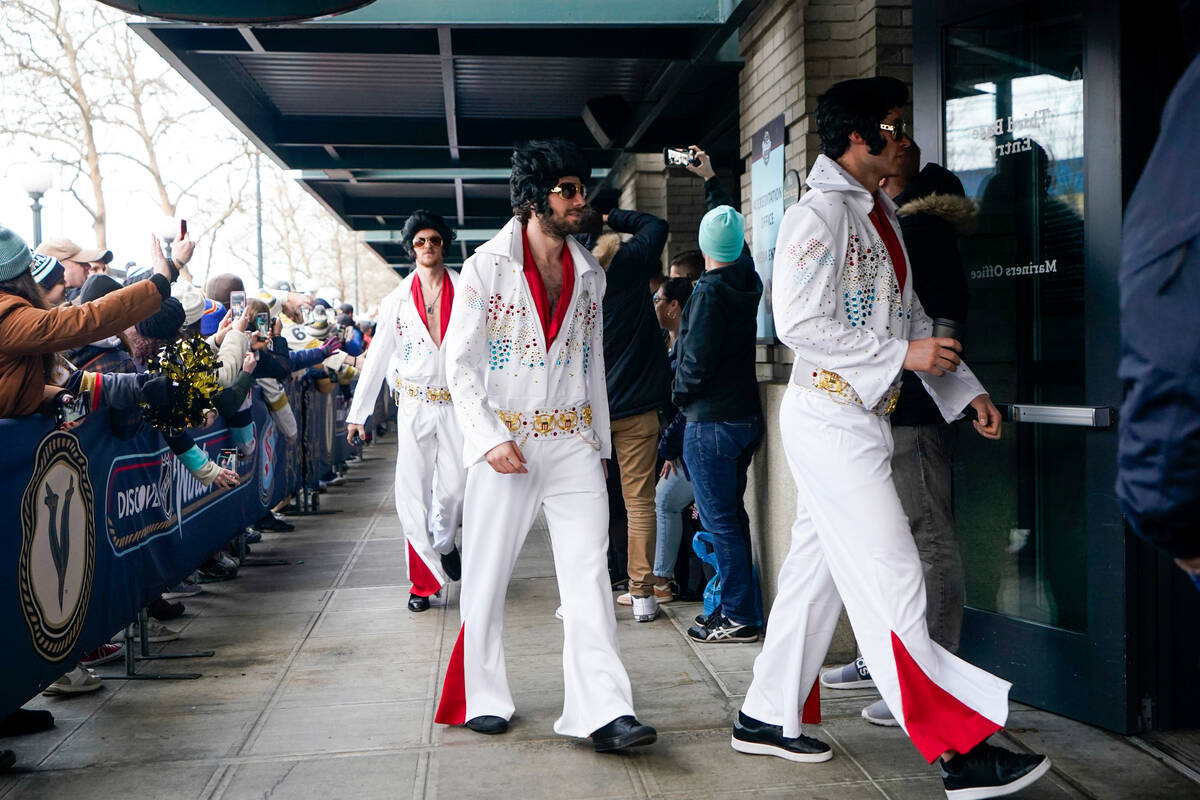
pixel 75 410
pixel 262 323
pixel 227 459
pixel 680 157
pixel 237 303
pixel 183 229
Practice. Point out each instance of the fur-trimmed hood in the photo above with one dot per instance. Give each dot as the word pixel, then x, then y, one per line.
pixel 961 212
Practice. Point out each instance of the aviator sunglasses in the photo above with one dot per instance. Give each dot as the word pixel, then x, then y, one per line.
pixel 421 241
pixel 895 128
pixel 567 190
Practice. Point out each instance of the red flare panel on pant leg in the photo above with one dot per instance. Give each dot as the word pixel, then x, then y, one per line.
pixel 811 715
pixel 424 584
pixel 453 708
pixel 936 720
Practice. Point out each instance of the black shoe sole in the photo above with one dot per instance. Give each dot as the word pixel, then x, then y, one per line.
pixel 635 738
pixel 1016 785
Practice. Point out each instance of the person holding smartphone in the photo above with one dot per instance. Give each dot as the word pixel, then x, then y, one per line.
pixel 430 476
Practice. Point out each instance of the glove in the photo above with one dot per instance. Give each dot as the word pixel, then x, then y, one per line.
pixel 331 346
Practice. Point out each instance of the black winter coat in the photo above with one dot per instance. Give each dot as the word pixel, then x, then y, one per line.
pixel 635 361
pixel 933 214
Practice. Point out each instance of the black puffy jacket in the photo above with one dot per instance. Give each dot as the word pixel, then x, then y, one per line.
pixel 635 360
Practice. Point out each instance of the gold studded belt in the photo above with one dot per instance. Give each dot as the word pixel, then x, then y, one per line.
pixel 548 424
pixel 836 388
pixel 432 395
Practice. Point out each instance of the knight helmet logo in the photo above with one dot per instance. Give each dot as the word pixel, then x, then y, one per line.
pixel 58 546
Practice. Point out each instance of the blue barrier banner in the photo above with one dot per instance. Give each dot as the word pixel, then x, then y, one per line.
pixel 98 526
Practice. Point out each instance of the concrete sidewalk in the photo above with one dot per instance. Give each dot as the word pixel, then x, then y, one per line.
pixel 324 686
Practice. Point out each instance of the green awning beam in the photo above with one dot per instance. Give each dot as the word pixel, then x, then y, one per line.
pixel 460 235
pixel 414 174
pixel 621 13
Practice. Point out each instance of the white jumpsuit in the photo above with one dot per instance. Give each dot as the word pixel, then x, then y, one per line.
pixel 839 305
pixel 429 473
pixel 552 402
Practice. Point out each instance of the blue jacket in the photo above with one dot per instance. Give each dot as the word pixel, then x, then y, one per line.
pixel 1158 480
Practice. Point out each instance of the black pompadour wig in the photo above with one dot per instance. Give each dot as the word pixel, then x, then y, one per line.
pixel 537 167
pixel 857 105
pixel 419 221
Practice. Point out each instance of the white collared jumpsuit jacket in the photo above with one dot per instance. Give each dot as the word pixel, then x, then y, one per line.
pixel 429 473
pixel 839 306
pixel 553 404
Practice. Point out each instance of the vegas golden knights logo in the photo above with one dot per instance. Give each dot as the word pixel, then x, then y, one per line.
pixel 58 546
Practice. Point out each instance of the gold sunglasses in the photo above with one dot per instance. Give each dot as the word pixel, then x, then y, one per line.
pixel 421 241
pixel 568 190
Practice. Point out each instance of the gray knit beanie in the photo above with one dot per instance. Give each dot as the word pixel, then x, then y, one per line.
pixel 14 255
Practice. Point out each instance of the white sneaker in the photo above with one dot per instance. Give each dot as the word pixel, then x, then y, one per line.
pixel 625 599
pixel 156 633
pixel 77 681
pixel 645 609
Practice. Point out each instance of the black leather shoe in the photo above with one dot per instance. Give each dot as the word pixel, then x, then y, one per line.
pixel 621 733
pixel 452 565
pixel 989 771
pixel 762 739
pixel 488 724
pixel 418 603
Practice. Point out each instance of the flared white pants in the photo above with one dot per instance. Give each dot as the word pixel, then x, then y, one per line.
pixel 566 480
pixel 851 543
pixel 430 481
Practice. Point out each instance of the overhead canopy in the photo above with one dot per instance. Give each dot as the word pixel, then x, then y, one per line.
pixel 404 105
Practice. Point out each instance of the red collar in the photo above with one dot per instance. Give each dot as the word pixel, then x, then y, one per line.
pixel 883 226
pixel 447 301
pixel 537 287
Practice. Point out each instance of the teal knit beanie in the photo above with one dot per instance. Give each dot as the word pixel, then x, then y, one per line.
pixel 722 234
pixel 14 255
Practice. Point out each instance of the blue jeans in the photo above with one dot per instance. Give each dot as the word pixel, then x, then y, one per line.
pixel 718 456
pixel 671 497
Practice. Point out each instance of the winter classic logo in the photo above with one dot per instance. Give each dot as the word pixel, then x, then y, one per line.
pixel 58 546
pixel 267 466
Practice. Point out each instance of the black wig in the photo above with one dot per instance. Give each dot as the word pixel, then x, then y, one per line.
pixel 857 105
pixel 419 221
pixel 537 167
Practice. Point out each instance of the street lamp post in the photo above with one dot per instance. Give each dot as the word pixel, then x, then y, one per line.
pixel 36 180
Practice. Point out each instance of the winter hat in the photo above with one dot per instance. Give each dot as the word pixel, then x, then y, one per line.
pixel 346 319
pixel 269 300
pixel 192 300
pixel 165 323
pixel 95 287
pixel 136 273
pixel 47 271
pixel 722 234
pixel 210 320
pixel 14 255
pixel 318 328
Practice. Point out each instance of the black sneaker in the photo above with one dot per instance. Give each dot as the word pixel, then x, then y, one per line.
pixel 718 628
pixel 621 734
pixel 760 739
pixel 988 771
pixel 452 565
pixel 164 610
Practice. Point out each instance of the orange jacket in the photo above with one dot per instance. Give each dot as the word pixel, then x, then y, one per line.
pixel 26 333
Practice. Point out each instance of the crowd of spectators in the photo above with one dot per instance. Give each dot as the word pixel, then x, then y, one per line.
pixel 77 335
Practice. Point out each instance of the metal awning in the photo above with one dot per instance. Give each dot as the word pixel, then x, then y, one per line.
pixel 403 105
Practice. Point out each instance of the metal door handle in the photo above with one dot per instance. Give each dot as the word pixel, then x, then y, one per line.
pixel 1083 416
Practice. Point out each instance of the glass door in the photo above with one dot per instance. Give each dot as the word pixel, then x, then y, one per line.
pixel 1033 508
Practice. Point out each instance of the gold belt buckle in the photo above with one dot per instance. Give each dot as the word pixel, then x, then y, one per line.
pixel 830 381
pixel 412 389
pixel 587 416
pixel 543 423
pixel 567 420
pixel 512 419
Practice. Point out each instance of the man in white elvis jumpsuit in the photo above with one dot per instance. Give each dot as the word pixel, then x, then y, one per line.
pixel 844 303
pixel 408 353
pixel 525 361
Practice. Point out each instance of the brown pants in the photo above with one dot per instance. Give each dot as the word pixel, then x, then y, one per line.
pixel 635 445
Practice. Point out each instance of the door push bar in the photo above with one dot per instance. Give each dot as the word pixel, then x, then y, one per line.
pixel 1082 416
